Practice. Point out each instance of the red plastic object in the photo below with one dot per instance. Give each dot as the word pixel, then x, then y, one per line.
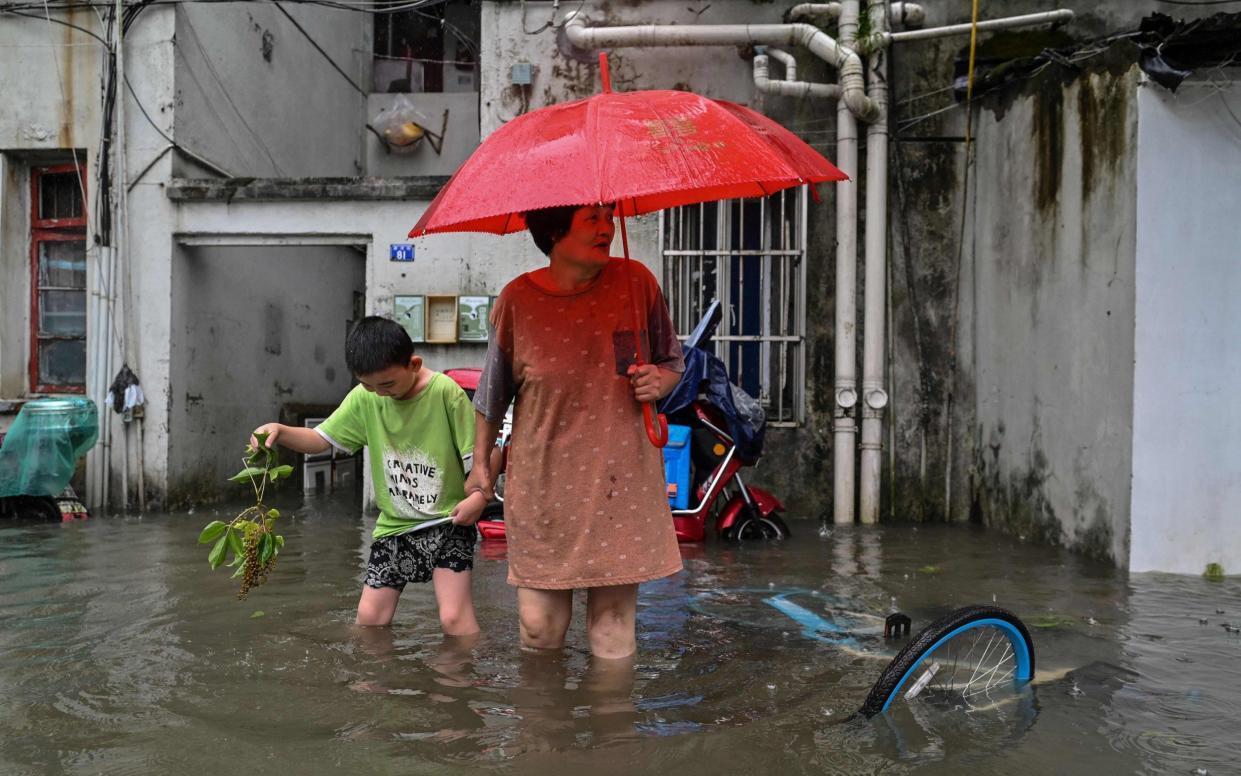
pixel 492 530
pixel 466 377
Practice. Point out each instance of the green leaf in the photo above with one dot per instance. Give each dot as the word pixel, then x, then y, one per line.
pixel 235 543
pixel 216 557
pixel 261 438
pixel 257 614
pixel 273 513
pixel 267 546
pixel 240 570
pixel 280 542
pixel 280 471
pixel 245 474
pixel 212 532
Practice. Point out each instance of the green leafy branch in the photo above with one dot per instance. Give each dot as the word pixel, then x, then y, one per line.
pixel 250 535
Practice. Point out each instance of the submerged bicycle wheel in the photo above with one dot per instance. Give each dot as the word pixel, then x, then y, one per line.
pixel 971 658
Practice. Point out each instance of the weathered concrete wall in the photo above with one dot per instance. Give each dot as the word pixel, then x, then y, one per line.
pixel 151 52
pixel 49 77
pixel 1046 313
pixel 255 97
pixel 256 328
pixel 1187 420
pixel 52 78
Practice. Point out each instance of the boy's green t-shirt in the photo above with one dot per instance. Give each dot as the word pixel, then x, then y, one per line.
pixel 419 448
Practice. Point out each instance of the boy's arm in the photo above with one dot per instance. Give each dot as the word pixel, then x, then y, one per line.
pixel 297 438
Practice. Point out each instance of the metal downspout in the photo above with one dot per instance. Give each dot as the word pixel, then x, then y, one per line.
pixel 874 396
pixel 844 420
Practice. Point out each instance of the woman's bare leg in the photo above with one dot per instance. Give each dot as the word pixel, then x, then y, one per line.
pixel 611 615
pixel 544 617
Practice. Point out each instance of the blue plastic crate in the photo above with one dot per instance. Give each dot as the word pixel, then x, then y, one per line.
pixel 676 466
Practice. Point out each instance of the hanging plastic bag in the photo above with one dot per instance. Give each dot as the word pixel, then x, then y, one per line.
pixel 402 126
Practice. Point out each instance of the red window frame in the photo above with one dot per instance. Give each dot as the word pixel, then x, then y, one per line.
pixel 50 230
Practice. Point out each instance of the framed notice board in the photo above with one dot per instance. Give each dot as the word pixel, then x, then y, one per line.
pixel 472 324
pixel 411 313
pixel 441 319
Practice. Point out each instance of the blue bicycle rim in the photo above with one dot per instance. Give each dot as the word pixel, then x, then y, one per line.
pixel 1021 651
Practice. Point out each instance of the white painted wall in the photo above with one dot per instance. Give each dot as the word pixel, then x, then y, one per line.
pixel 1187 419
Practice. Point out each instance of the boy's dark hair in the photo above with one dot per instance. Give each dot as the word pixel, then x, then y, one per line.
pixel 547 225
pixel 377 343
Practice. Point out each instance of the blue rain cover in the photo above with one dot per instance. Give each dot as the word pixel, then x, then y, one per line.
pixel 706 374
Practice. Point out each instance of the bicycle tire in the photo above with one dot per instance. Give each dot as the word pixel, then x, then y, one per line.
pixel 933 637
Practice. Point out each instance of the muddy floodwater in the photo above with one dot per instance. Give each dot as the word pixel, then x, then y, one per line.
pixel 121 653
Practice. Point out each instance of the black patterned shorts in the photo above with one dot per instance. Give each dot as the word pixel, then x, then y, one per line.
pixel 412 557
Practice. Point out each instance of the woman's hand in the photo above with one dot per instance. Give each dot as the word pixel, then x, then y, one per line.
pixel 647 381
pixel 469 509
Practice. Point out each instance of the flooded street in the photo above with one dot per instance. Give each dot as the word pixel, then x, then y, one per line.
pixel 123 654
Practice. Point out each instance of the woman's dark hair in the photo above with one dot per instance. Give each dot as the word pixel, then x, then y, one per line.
pixel 377 343
pixel 547 225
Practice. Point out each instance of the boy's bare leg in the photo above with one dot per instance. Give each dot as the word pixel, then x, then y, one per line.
pixel 544 616
pixel 611 615
pixel 377 605
pixel 456 602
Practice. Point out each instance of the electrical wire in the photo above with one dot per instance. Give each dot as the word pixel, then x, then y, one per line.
pixel 343 5
pixel 227 97
pixel 319 48
pixel 212 166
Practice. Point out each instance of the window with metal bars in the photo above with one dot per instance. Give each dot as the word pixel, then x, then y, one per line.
pixel 750 254
pixel 58 280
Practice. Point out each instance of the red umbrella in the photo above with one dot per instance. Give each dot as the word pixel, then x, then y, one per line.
pixel 641 151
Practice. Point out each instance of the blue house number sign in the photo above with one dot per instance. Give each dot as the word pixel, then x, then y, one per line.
pixel 401 252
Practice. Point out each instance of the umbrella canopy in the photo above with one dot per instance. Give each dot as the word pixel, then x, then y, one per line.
pixel 642 151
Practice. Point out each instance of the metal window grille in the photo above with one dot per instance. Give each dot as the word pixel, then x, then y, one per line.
pixel 750 254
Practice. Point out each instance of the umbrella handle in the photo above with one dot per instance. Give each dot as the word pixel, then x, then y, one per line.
pixel 656 425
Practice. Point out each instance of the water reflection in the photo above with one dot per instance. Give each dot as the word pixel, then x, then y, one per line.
pixel 123 654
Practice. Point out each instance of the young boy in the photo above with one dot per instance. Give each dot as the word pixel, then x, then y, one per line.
pixel 419 428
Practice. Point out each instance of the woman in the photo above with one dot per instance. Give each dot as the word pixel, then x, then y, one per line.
pixel 585 503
